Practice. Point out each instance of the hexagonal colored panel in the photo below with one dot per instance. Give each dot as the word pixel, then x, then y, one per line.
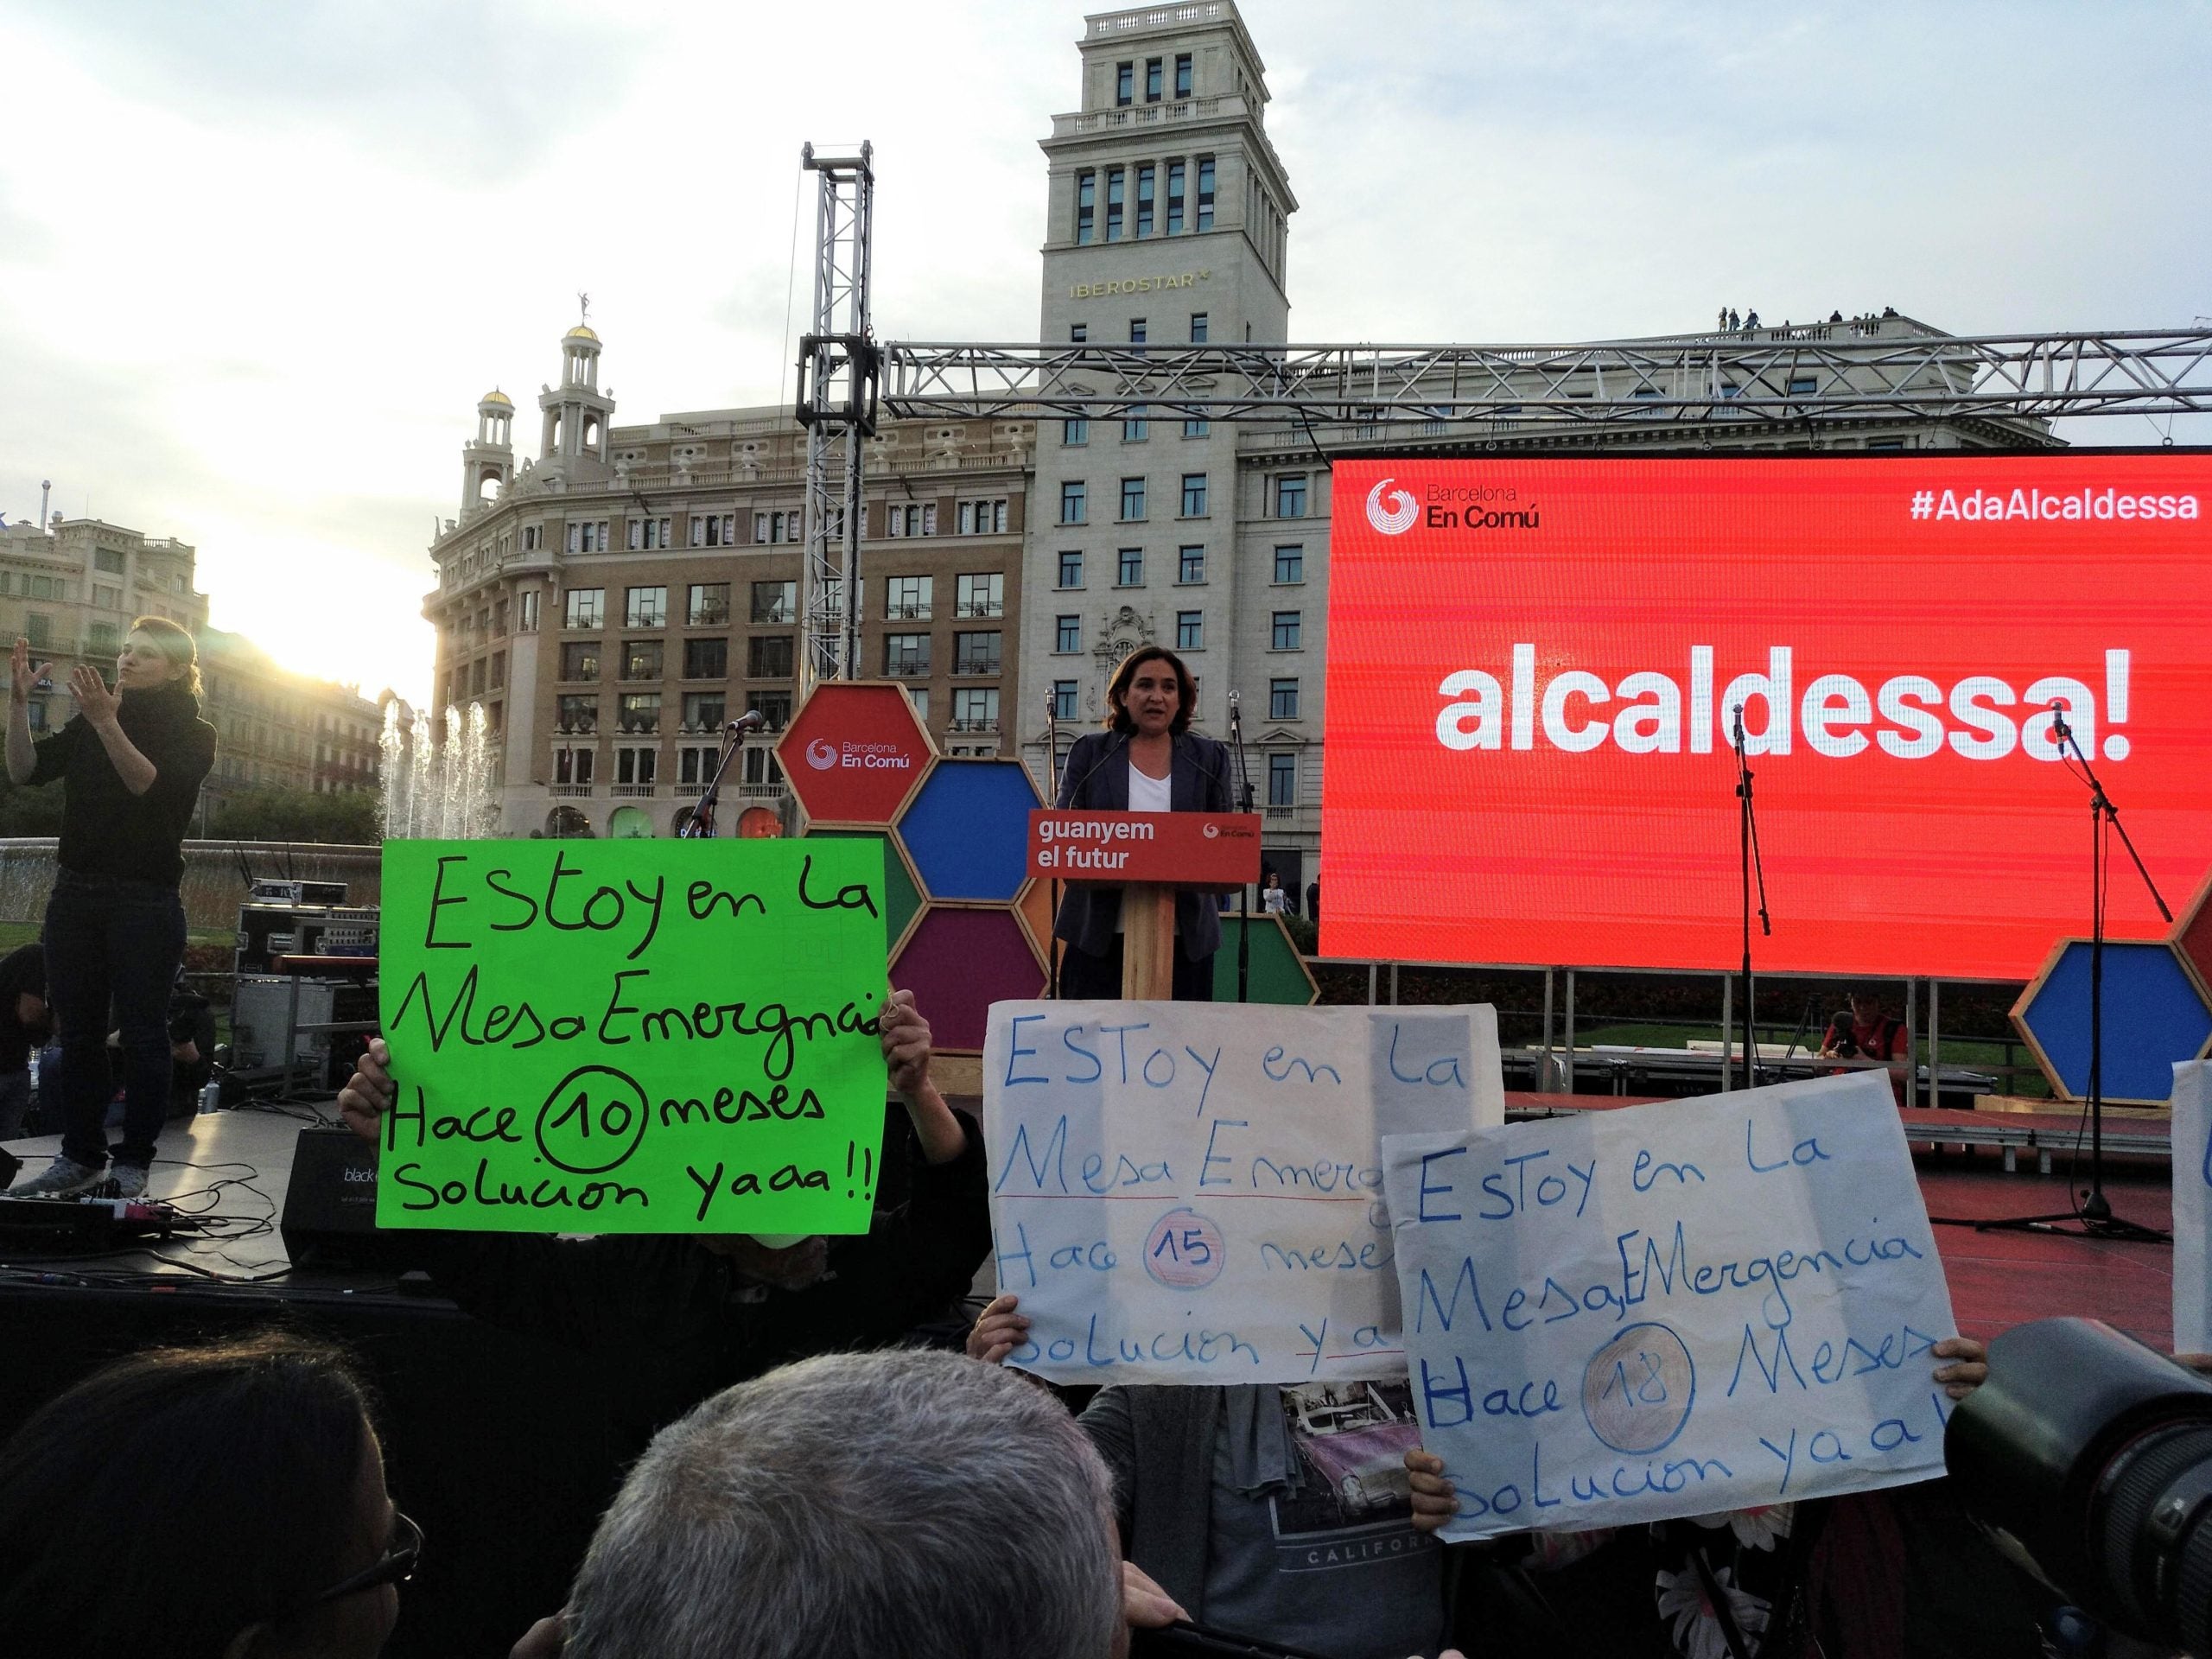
pixel 958 962
pixel 1278 973
pixel 1035 909
pixel 855 751
pixel 902 897
pixel 2192 934
pixel 2154 1015
pixel 968 830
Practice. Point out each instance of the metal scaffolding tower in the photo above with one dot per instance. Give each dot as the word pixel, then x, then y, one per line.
pixel 1777 377
pixel 839 364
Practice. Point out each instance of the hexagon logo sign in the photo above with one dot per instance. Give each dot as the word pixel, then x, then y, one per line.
pixel 2192 934
pixel 968 830
pixel 2154 1016
pixel 901 898
pixel 855 751
pixel 958 962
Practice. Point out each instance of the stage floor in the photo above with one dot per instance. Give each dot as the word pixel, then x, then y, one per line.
pixel 235 1163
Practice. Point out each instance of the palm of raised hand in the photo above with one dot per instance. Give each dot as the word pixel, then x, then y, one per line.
pixel 24 676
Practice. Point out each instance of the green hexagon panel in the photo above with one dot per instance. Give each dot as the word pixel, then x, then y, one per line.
pixel 1278 972
pixel 902 896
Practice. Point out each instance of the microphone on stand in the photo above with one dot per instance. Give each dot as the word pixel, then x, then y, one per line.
pixel 751 720
pixel 1737 715
pixel 2060 731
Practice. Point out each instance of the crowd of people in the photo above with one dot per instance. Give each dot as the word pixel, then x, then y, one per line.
pixel 837 1458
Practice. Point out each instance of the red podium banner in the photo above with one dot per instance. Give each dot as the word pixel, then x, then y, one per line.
pixel 1534 668
pixel 1172 849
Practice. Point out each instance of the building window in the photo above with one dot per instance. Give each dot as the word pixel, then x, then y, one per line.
pixel 641 659
pixel 1071 569
pixel 776 707
pixel 580 660
pixel 1136 427
pixel 1194 495
pixel 1174 197
pixel 1284 634
pixel 1191 565
pixel 983 518
pixel 1197 328
pixel 919 695
pixel 975 709
pixel 1078 334
pixel 785 526
pixel 588 537
pixel 775 601
pixel 982 594
pixel 1086 206
pixel 1282 699
pixel 976 654
pixel 1182 74
pixel 107 599
pixel 1196 428
pixel 1125 84
pixel 1064 699
pixel 768 657
pixel 102 639
pixel 1116 184
pixel 646 607
pixel 905 655
pixel 910 519
pixel 636 766
pixel 108 559
pixel 706 659
pixel 906 599
pixel 649 534
pixel 1290 564
pixel 1137 331
pixel 1132 499
pixel 572 765
pixel 1282 780
pixel 574 713
pixel 587 609
pixel 1072 502
pixel 1075 432
pixel 526 609
pixel 1128 570
pixel 1290 496
pixel 1155 79
pixel 1067 633
pixel 1190 630
pixel 1804 385
pixel 703 711
pixel 530 539
pixel 1205 193
pixel 1144 199
pixel 707 605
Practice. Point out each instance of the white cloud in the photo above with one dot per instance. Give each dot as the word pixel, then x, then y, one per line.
pixel 258 262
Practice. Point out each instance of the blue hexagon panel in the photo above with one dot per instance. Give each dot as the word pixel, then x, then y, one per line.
pixel 967 830
pixel 2153 1017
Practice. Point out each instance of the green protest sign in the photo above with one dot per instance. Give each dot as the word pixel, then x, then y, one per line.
pixel 633 1036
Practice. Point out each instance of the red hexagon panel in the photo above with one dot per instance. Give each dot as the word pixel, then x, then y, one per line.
pixel 958 962
pixel 855 751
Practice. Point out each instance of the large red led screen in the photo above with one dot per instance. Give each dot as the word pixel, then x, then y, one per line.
pixel 1534 666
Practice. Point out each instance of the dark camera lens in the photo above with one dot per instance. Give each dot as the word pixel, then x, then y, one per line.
pixel 2096 1453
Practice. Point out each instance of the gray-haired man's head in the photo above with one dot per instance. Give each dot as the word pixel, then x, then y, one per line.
pixel 903 1505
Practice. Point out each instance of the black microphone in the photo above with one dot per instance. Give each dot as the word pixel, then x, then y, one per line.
pixel 2060 731
pixel 1235 700
pixel 1069 792
pixel 751 720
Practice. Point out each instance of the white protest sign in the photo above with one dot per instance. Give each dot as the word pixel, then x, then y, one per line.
pixel 1671 1310
pixel 2192 1138
pixel 1186 1192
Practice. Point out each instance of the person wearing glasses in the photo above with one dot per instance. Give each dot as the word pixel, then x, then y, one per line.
pixel 226 1501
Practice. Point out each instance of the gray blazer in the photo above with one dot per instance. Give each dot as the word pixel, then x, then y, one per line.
pixel 1095 778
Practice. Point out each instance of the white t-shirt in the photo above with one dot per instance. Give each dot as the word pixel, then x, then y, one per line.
pixel 1148 794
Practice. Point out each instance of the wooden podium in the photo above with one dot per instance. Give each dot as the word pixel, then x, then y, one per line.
pixel 1150 856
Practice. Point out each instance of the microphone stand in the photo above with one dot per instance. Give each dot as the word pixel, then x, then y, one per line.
pixel 700 826
pixel 2094 1218
pixel 1052 781
pixel 1245 892
pixel 1747 835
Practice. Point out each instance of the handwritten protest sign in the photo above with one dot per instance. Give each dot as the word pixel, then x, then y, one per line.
pixel 2192 1133
pixel 1188 1193
pixel 1672 1309
pixel 633 1036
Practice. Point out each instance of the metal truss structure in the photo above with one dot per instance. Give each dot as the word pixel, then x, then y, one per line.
pixel 837 379
pixel 1888 368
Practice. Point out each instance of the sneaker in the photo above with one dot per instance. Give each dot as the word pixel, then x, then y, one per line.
pixel 130 1179
pixel 63 1179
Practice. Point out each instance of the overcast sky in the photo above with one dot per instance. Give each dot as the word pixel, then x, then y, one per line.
pixel 259 261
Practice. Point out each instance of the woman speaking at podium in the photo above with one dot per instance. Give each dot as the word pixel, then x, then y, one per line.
pixel 131 763
pixel 1146 760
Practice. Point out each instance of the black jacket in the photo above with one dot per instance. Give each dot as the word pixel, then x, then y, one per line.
pixel 1095 778
pixel 107 830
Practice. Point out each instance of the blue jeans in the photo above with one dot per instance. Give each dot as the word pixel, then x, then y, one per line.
pixel 112 942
